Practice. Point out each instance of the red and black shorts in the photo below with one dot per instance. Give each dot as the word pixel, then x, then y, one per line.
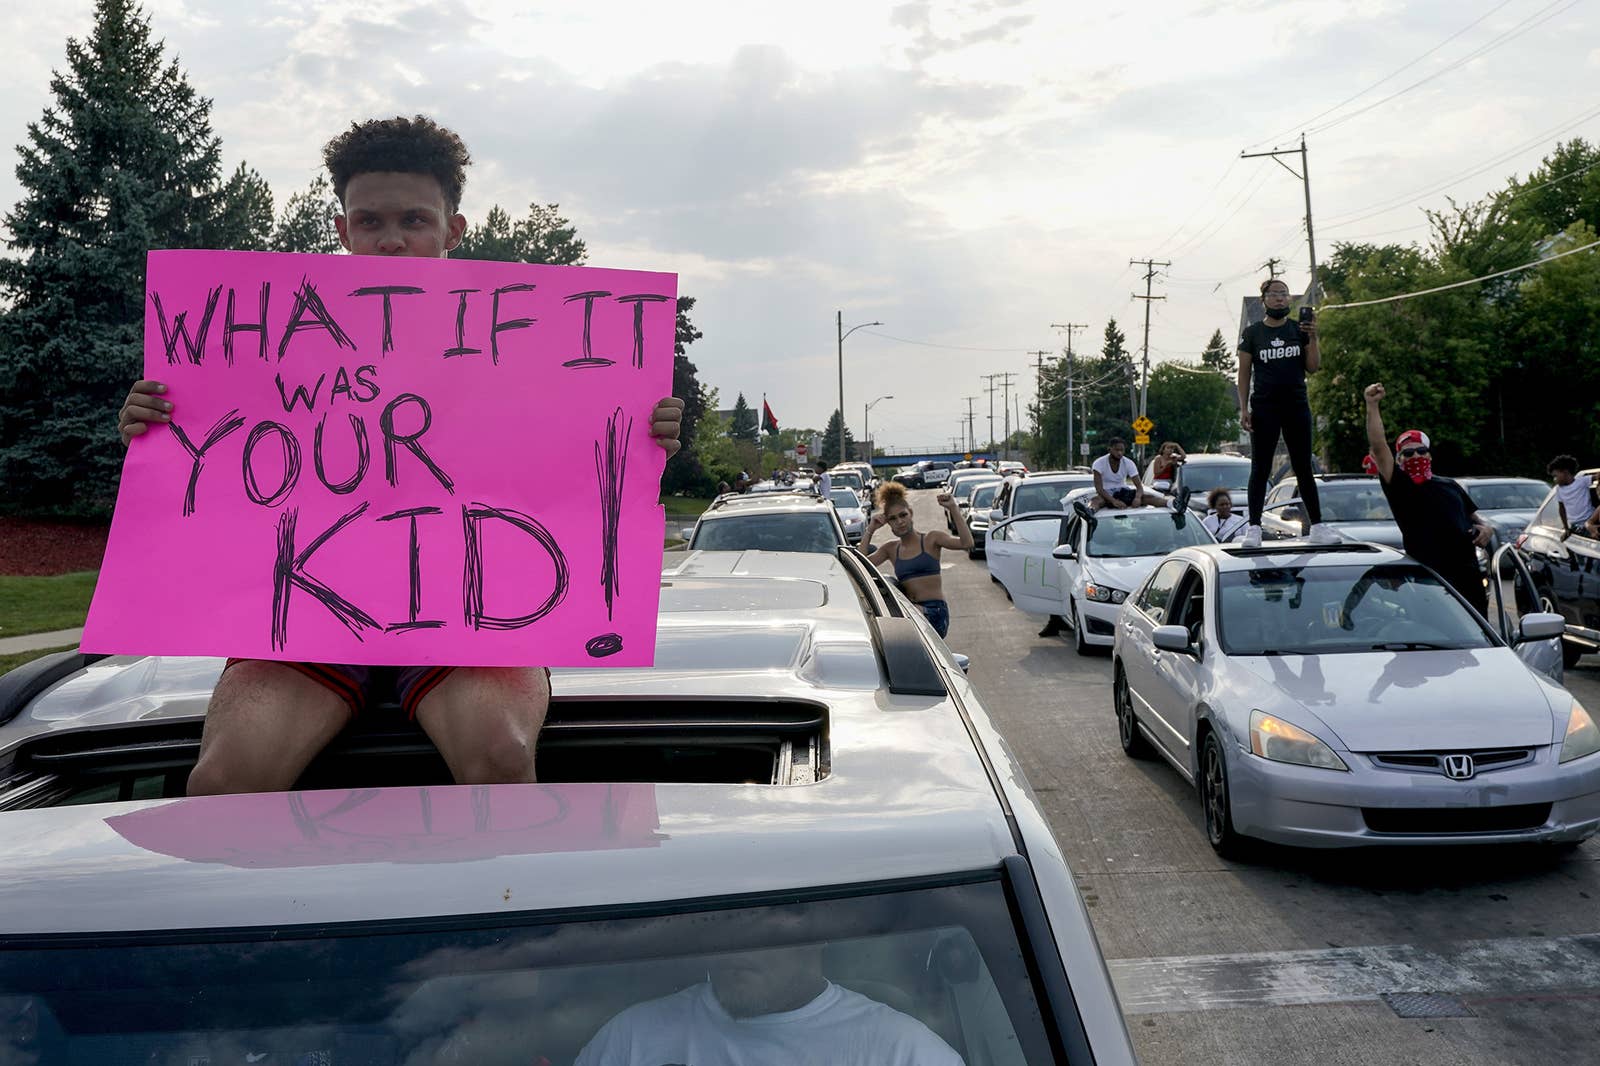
pixel 353 684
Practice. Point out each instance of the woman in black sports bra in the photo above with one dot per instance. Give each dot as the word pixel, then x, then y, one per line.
pixel 915 555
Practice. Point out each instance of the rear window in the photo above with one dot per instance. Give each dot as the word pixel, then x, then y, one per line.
pixel 1045 495
pixel 921 975
pixel 799 532
pixel 1507 495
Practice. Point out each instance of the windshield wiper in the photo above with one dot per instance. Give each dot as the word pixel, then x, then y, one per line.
pixel 1414 645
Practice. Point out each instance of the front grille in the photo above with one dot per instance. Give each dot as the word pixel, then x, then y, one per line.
pixel 1423 762
pixel 1418 820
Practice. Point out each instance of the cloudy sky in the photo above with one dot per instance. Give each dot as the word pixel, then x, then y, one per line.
pixel 965 172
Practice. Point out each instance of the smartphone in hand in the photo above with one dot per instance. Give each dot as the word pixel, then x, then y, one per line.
pixel 1307 314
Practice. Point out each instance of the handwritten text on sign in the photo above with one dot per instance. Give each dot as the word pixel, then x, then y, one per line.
pixel 393 461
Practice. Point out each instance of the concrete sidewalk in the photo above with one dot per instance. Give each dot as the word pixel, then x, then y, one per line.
pixel 34 641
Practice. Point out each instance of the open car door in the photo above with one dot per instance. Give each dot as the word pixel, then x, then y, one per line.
pixel 1513 594
pixel 1019 551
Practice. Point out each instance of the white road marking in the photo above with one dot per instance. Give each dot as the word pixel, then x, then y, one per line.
pixel 1516 965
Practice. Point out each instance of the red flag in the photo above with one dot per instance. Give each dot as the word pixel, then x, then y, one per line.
pixel 769 421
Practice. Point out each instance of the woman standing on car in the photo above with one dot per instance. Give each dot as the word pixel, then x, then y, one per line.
pixel 916 555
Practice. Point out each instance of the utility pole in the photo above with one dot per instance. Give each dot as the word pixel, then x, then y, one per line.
pixel 1271 267
pixel 1071 327
pixel 1305 180
pixel 1005 409
pixel 991 388
pixel 1150 273
pixel 1038 388
pixel 972 440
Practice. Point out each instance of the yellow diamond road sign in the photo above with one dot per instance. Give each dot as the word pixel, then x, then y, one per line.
pixel 1143 425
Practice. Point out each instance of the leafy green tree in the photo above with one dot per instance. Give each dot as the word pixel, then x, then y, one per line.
pixel 687 471
pixel 1218 356
pixel 544 235
pixel 745 424
pixel 1565 189
pixel 1191 405
pixel 830 441
pixel 124 160
pixel 306 222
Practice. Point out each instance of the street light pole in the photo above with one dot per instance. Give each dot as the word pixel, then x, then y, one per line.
pixel 838 319
pixel 866 430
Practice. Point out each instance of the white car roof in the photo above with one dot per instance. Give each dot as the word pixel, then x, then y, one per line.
pixel 1228 558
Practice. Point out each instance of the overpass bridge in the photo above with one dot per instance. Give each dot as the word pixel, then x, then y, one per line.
pixel 906 458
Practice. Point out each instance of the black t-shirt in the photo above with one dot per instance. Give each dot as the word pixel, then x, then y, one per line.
pixel 1277 358
pixel 1435 520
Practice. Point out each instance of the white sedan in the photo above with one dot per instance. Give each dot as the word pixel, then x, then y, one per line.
pixel 1082 569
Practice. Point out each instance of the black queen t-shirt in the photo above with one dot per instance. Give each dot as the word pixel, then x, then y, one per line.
pixel 1277 358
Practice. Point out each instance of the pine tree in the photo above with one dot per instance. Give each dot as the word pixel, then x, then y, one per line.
pixel 746 427
pixel 830 441
pixel 685 471
pixel 306 224
pixel 123 161
pixel 1218 356
pixel 544 236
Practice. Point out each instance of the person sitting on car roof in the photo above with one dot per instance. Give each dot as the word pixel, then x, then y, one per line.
pixel 1113 473
pixel 1575 498
pixel 766 1008
pixel 399 186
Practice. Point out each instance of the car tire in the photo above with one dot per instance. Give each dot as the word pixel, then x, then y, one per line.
pixel 1216 805
pixel 1134 746
pixel 1570 654
pixel 1079 645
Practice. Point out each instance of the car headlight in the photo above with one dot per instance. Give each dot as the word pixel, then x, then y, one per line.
pixel 1273 738
pixel 1103 593
pixel 1582 738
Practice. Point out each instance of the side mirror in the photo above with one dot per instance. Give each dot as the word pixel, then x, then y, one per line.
pixel 962 661
pixel 1540 627
pixel 996 515
pixel 1172 638
pixel 686 533
pixel 1065 551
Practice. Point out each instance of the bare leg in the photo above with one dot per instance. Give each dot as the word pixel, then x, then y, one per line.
pixel 264 725
pixel 485 721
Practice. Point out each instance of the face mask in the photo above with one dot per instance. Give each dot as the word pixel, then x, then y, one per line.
pixel 1418 467
pixel 1282 312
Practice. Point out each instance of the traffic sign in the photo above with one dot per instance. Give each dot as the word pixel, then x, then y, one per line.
pixel 1141 438
pixel 968 457
pixel 800 450
pixel 1083 449
pixel 1143 425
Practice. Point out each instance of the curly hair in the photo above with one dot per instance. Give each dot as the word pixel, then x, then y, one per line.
pixel 890 493
pixel 406 145
pixel 1216 494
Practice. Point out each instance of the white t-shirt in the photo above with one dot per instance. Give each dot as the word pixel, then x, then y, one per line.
pixel 1575 498
pixel 1112 480
pixel 838 1028
pixel 1223 530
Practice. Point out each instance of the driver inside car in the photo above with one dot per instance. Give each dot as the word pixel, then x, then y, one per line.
pixel 765 1008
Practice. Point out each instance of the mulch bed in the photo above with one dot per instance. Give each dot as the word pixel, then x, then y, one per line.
pixel 30 548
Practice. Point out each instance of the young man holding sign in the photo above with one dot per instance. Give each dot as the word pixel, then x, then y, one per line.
pixel 399 184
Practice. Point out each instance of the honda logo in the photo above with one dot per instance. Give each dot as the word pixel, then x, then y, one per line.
pixel 1459 767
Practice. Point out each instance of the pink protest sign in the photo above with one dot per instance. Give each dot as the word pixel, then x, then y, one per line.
pixel 393 461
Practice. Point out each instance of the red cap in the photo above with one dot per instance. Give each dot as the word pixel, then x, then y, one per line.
pixel 1412 436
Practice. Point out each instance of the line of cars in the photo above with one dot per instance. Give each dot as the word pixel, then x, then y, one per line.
pixel 1331 695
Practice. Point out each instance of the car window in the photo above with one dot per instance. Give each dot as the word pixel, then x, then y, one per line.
pixel 844 498
pixel 1354 501
pixel 847 479
pixel 798 532
pixel 1330 609
pixel 1187 607
pixel 1035 529
pixel 1279 493
pixel 983 495
pixel 949 961
pixel 1046 495
pixel 1144 533
pixel 1201 476
pixel 1156 595
pixel 1507 495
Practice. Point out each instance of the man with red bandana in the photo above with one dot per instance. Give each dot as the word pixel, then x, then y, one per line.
pixel 1438 520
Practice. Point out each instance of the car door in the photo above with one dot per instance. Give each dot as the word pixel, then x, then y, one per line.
pixel 1512 595
pixel 1177 678
pixel 1020 551
pixel 1140 662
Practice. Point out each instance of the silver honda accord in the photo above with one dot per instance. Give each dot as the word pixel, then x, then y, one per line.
pixel 1343 695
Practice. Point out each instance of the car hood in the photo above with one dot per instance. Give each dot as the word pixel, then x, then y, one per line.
pixel 1378 532
pixel 1124 574
pixel 1508 521
pixel 1414 700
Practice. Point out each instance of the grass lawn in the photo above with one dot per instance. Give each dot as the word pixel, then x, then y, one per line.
pixel 685 505
pixel 11 662
pixel 42 604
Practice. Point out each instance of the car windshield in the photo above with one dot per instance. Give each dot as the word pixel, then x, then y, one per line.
pixel 1045 495
pixel 1507 495
pixel 797 532
pixel 844 498
pixel 1202 476
pixel 983 495
pixel 1353 501
pixel 1141 533
pixel 849 479
pixel 1314 610
pixel 946 962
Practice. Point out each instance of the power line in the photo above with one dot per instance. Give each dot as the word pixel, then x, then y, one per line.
pixel 1462 284
pixel 949 347
pixel 1202 202
pixel 1509 35
pixel 1247 191
pixel 1387 77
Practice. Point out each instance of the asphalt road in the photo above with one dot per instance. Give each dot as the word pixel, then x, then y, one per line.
pixel 1285 958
